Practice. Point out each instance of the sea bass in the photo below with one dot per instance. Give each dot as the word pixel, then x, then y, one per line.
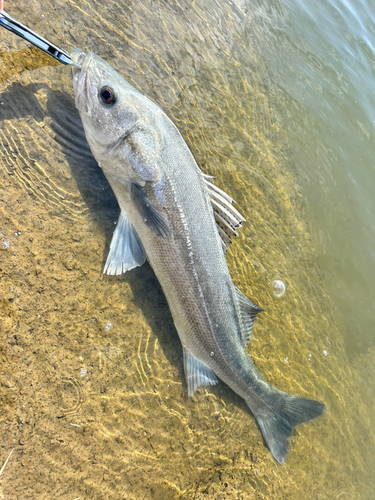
pixel 176 218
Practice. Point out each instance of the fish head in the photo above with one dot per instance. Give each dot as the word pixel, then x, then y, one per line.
pixel 107 102
pixel 117 118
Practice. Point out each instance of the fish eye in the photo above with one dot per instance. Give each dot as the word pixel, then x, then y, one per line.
pixel 108 95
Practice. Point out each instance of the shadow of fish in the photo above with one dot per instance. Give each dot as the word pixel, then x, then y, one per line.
pixel 173 215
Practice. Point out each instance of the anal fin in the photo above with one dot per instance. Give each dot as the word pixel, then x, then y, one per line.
pixel 126 250
pixel 197 373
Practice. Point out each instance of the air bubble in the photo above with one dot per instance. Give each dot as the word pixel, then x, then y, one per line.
pixel 278 288
pixel 212 354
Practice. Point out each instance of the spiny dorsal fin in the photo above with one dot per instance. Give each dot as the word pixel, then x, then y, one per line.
pixel 249 312
pixel 197 373
pixel 126 250
pixel 226 216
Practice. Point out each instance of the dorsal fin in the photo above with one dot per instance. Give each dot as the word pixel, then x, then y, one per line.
pixel 226 216
pixel 248 313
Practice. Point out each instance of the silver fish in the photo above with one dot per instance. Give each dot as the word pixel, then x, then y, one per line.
pixel 173 215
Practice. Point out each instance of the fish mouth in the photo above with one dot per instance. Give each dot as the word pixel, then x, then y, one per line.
pixel 79 77
pixel 78 57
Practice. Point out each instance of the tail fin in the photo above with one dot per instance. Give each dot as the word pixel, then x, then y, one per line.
pixel 279 424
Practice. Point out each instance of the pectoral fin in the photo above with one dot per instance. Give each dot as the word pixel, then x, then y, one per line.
pixel 126 251
pixel 197 373
pixel 248 313
pixel 149 213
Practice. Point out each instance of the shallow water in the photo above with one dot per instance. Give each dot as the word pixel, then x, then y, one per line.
pixel 92 390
